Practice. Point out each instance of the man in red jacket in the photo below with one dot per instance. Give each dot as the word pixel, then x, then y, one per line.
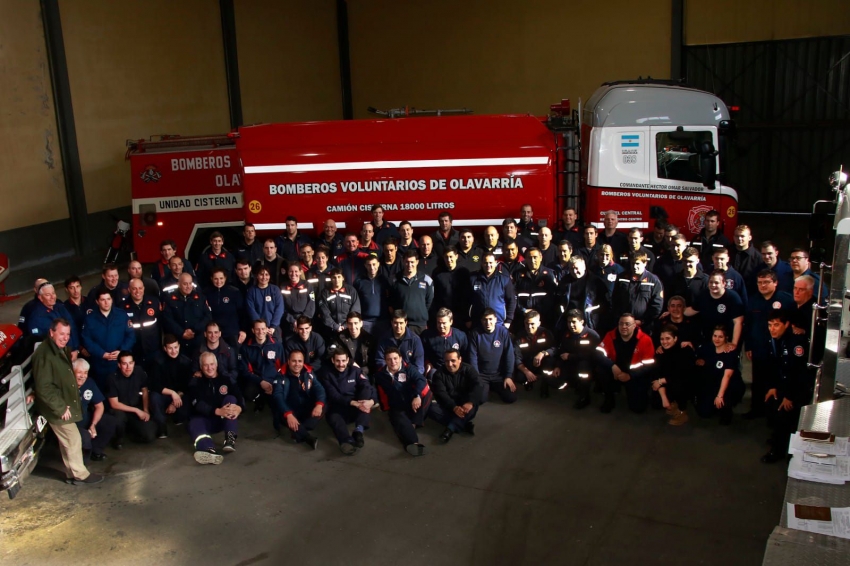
pixel 628 363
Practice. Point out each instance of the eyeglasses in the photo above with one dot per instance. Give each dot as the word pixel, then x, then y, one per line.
pixel 626 324
pixel 799 257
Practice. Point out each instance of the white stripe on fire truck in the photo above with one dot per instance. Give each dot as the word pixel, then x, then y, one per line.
pixel 412 164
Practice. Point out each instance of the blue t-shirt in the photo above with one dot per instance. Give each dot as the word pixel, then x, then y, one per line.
pixel 90 395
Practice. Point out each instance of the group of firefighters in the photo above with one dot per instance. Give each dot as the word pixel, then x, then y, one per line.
pixel 427 327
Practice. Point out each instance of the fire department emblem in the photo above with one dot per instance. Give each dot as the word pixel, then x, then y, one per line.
pixel 150 312
pixel 798 351
pixel 225 300
pixel 151 174
pixel 719 365
pixel 222 390
pixel 268 298
pixel 777 305
pixel 696 217
pixel 88 395
pixel 476 258
pixel 456 346
pixel 402 377
pixel 497 343
pixel 721 309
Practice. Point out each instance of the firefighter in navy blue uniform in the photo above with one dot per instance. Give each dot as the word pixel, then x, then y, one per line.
pixel 734 280
pixel 629 360
pixel 569 229
pixel 335 302
pixel 492 290
pixel 451 287
pixel 319 276
pixel 413 293
pixel 383 230
pixel 106 333
pixel 672 263
pixel 790 383
pixel 186 314
pixel 261 358
pixel 561 269
pixel 512 262
pixel 440 339
pixel 373 289
pixel 330 238
pixel 308 343
pixel 405 394
pixel 391 259
pixel 289 243
pixel 720 386
pixel 29 305
pixel 213 257
pixel 491 353
pixel 226 356
pixel 617 240
pixel 691 282
pixel 429 261
pixel 491 244
pixel 587 293
pixel 161 270
pixel 579 353
pixel 536 288
pixel 757 337
pixel 46 310
pixel 590 247
pixel 403 339
pixel 457 394
pixel 243 278
pixel 97 427
pixel 635 245
pixel 468 254
pixel 351 262
pixel 216 406
pixel 227 307
pixel 143 312
pixel 299 299
pixel 249 248
pixel 719 306
pixel 527 226
pixel 359 344
pixel 301 399
pixel 746 258
pixel 129 401
pixel 710 238
pixel 273 262
pixel 350 399
pixel 640 293
pixel 534 351
pixel 77 305
pixel 445 235
pixel 168 384
pixel 111 283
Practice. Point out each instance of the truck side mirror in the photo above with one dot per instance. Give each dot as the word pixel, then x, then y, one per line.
pixel 708 164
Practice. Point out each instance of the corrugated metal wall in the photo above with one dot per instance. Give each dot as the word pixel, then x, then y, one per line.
pixel 794 117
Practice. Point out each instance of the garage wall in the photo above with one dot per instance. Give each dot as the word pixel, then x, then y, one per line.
pixel 137 69
pixel 288 60
pixel 30 162
pixel 733 21
pixel 498 55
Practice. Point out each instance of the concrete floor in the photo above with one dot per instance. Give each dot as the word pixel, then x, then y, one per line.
pixel 540 483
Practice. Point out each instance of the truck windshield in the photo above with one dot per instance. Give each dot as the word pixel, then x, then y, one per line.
pixel 677 155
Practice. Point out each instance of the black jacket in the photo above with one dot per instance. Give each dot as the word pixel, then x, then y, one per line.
pixel 453 389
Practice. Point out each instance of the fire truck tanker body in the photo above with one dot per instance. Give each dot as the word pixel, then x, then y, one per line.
pixel 640 156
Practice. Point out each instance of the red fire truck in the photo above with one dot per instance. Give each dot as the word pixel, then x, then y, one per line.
pixel 647 151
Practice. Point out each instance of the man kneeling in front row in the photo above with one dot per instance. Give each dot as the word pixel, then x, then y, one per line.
pixel 457 393
pixel 214 400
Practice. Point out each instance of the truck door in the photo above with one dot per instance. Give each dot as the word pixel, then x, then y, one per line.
pixel 676 150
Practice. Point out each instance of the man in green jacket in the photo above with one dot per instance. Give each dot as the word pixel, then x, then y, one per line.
pixel 57 399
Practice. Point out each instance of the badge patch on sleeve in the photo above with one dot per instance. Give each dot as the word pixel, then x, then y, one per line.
pixel 798 351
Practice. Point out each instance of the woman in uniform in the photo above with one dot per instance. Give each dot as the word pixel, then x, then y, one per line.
pixel 673 365
pixel 721 386
pixel 606 267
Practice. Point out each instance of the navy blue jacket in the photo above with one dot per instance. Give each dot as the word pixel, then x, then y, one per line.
pixel 756 336
pixel 144 319
pixel 296 393
pixel 343 388
pixel 228 309
pixel 410 346
pixel 492 354
pixel 374 297
pixel 414 295
pixel 265 303
pixel 313 349
pixel 261 362
pixel 436 346
pixel 224 355
pixel 207 394
pixel 40 318
pixel 102 334
pixel 298 300
pixel 397 390
pixel 180 313
pixel 495 292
